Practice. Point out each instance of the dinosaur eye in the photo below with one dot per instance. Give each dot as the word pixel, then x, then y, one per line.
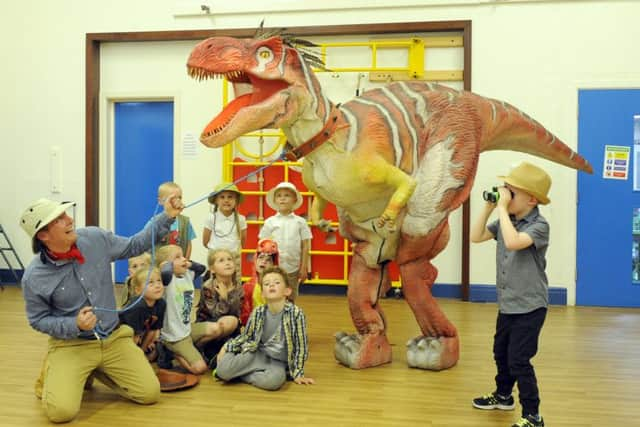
pixel 265 53
pixel 264 57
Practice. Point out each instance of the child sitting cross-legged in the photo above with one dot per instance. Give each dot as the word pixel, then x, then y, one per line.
pixel 145 315
pixel 220 303
pixel 274 343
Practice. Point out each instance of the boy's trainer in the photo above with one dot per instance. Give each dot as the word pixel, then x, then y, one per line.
pixel 494 401
pixel 529 421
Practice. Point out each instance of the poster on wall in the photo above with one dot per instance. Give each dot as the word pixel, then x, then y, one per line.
pixel 616 162
pixel 190 145
pixel 636 153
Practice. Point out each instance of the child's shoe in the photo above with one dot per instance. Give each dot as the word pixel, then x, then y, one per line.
pixel 494 401
pixel 529 421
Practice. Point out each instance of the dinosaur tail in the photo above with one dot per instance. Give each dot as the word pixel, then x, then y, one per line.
pixel 508 128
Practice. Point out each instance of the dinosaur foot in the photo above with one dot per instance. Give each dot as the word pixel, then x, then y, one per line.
pixel 362 351
pixel 432 353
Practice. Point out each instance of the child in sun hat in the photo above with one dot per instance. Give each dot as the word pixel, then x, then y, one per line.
pixel 225 227
pixel 522 236
pixel 290 231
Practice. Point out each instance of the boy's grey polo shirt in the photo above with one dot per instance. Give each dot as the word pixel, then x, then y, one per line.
pixel 521 281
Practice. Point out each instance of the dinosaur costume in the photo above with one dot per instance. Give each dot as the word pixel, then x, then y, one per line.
pixel 395 161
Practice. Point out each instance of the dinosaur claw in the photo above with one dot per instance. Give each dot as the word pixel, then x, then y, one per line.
pixel 362 351
pixel 388 221
pixel 432 353
pixel 325 226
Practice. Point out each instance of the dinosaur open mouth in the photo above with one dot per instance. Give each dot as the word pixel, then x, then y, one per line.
pixel 249 90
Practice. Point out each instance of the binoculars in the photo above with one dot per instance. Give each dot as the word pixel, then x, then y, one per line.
pixel 494 195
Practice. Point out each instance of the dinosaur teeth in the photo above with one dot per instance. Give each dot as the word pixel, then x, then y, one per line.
pixel 203 74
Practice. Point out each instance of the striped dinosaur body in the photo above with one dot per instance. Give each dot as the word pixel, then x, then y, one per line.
pixel 395 161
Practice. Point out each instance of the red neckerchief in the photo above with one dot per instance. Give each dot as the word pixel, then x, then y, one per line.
pixel 73 253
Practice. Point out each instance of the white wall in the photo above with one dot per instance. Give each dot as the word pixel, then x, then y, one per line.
pixel 532 54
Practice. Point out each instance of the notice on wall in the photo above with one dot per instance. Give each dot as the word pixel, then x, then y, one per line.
pixel 616 162
pixel 190 145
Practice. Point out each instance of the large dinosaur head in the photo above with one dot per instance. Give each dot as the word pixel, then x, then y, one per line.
pixel 269 78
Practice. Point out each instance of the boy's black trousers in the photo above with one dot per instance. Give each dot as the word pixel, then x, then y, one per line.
pixel 514 345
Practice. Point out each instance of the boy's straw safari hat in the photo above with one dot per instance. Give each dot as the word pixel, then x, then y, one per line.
pixel 531 179
pixel 289 186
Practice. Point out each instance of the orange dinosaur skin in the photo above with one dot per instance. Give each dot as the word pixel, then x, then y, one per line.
pixel 400 160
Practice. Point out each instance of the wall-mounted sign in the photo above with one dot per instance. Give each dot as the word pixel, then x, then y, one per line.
pixel 616 162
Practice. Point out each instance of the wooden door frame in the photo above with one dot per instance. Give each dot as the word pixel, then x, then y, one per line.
pixel 93 42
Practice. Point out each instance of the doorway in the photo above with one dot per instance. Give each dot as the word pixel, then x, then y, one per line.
pixel 143 159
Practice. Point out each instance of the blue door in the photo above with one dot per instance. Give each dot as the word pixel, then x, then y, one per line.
pixel 605 241
pixel 143 160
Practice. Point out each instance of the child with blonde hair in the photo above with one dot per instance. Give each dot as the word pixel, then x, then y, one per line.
pixel 146 315
pixel 220 303
pixel 290 231
pixel 224 227
pixel 273 346
pixel 142 261
pixel 178 274
pixel 181 232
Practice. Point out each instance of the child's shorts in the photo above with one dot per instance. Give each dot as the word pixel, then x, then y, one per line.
pixel 186 348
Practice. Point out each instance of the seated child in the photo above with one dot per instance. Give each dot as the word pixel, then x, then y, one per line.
pixel 177 336
pixel 142 261
pixel 273 344
pixel 266 256
pixel 145 315
pixel 220 303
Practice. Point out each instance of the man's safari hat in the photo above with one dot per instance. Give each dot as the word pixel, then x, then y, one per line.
pixel 174 381
pixel 38 215
pixel 225 186
pixel 531 179
pixel 271 201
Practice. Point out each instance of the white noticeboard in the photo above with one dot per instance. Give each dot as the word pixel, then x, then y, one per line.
pixel 190 145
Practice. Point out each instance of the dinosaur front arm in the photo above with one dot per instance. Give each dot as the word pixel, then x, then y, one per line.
pixel 389 175
pixel 317 210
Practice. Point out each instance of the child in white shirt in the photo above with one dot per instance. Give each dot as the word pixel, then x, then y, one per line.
pixel 225 228
pixel 290 231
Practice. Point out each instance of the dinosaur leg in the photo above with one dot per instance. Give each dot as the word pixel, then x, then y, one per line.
pixel 369 346
pixel 438 347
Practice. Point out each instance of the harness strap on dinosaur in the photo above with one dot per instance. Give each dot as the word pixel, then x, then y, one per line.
pixel 293 154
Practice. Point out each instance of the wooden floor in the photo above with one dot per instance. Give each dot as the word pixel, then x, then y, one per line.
pixel 588 370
